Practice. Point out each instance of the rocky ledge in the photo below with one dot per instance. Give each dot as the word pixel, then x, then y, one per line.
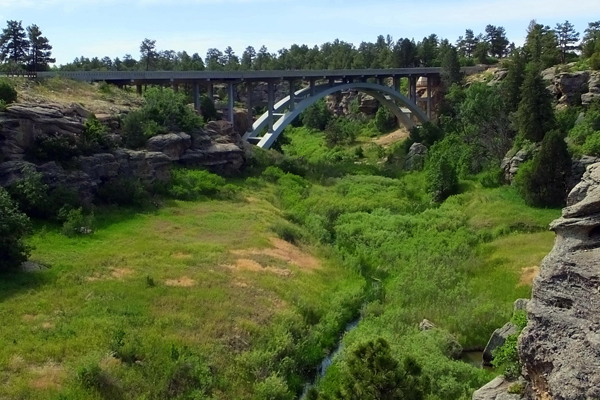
pixel 560 347
pixel 216 147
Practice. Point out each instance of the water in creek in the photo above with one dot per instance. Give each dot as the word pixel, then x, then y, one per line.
pixel 475 358
pixel 326 363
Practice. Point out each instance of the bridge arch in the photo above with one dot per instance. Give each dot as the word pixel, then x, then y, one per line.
pixel 386 95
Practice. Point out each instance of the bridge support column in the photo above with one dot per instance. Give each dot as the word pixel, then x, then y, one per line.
pixel 211 92
pixel 139 89
pixel 413 89
pixel 176 87
pixel 231 100
pixel 196 96
pixel 292 94
pixel 331 82
pixel 380 81
pixel 312 86
pixel 429 94
pixel 249 90
pixel 271 104
pixel 397 84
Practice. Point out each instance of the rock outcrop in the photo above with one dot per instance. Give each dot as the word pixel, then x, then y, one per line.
pixel 511 164
pixel 573 88
pixel 415 159
pixel 560 347
pixel 217 147
pixel 496 390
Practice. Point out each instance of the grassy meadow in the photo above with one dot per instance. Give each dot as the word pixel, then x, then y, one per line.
pixel 242 299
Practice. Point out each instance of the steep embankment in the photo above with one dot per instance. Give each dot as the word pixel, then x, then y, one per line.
pixel 560 348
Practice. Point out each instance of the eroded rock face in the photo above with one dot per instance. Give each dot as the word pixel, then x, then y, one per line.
pixel 511 165
pixel 415 159
pixel 496 390
pixel 573 88
pixel 560 347
pixel 174 145
pixel 497 340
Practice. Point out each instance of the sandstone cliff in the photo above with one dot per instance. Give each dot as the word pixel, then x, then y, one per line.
pixel 560 347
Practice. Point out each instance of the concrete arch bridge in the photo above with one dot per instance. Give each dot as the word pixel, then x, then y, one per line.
pixel 416 108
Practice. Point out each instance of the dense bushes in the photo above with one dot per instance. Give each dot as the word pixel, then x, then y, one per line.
pixel 123 191
pixel 14 226
pixel 8 94
pixel 543 181
pixel 189 184
pixel 385 121
pixel 316 116
pixel 165 111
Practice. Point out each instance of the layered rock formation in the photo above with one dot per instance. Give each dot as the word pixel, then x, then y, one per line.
pixel 217 147
pixel 573 88
pixel 560 347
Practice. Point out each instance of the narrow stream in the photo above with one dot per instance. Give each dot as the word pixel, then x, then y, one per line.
pixel 326 363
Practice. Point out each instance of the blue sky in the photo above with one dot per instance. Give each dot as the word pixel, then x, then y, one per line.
pixel 116 27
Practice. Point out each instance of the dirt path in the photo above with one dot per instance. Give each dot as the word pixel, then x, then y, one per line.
pixel 391 138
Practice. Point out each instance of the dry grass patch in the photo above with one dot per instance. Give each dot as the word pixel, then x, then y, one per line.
pixel 121 273
pixel 48 376
pixel 181 282
pixel 283 251
pixel 528 275
pixel 391 138
pixel 181 256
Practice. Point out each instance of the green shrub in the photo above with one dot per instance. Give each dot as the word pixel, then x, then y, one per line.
pixel 287 231
pixel 76 222
pixel 208 109
pixel 94 138
pixel 60 148
pixel 442 177
pixel 14 226
pixel 341 131
pixel 385 121
pixel 492 178
pixel 316 116
pixel 190 379
pixel 133 131
pixel 169 109
pixel 30 193
pixel 3 106
pixel 427 134
pixel 591 146
pixel 189 184
pixel 123 191
pixel 89 375
pixel 272 174
pixel 272 388
pixel 542 182
pixel 517 388
pixel 8 93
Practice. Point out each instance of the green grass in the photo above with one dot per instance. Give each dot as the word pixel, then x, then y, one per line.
pixel 53 321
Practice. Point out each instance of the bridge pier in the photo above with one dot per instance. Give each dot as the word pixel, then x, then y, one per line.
pixel 429 94
pixel 231 101
pixel 312 86
pixel 249 90
pixel 271 104
pixel 196 96
pixel 210 90
pixel 413 88
pixel 292 94
pixel 139 89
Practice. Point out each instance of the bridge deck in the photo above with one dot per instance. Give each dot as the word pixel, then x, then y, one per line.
pixel 237 76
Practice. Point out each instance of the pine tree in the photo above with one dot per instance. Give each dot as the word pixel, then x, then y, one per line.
pixel 541 45
pixel 535 116
pixel 40 50
pixel 13 43
pixel 148 53
pixel 513 82
pixel 592 36
pixel 468 43
pixel 496 37
pixel 248 58
pixel 567 38
pixel 451 73
pixel 543 182
pixel 481 49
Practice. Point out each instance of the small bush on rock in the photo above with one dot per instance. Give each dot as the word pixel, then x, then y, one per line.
pixel 14 226
pixel 8 94
pixel 94 137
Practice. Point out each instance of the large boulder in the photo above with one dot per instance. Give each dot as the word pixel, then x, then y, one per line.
pixel 496 390
pixel 174 145
pixel 497 340
pixel 368 104
pixel 593 89
pixel 99 167
pixel 560 347
pixel 571 86
pixel 148 166
pixel 511 164
pixel 415 159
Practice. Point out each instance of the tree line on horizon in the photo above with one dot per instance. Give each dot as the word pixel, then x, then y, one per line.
pixel 27 49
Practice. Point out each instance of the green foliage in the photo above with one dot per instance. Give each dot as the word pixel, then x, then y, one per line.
pixel 164 111
pixel 30 193
pixel 188 184
pixel 373 373
pixel 58 147
pixel 507 358
pixel 89 375
pixel 584 137
pixel 442 177
pixel 3 106
pixel 123 191
pixel 14 227
pixel 316 116
pixel 517 388
pixel 209 111
pixel 341 131
pixel 543 181
pixel 76 222
pixel 492 178
pixel 535 116
pixel 273 388
pixel 385 121
pixel 427 134
pixel 94 139
pixel 511 86
pixel 288 232
pixel 8 94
